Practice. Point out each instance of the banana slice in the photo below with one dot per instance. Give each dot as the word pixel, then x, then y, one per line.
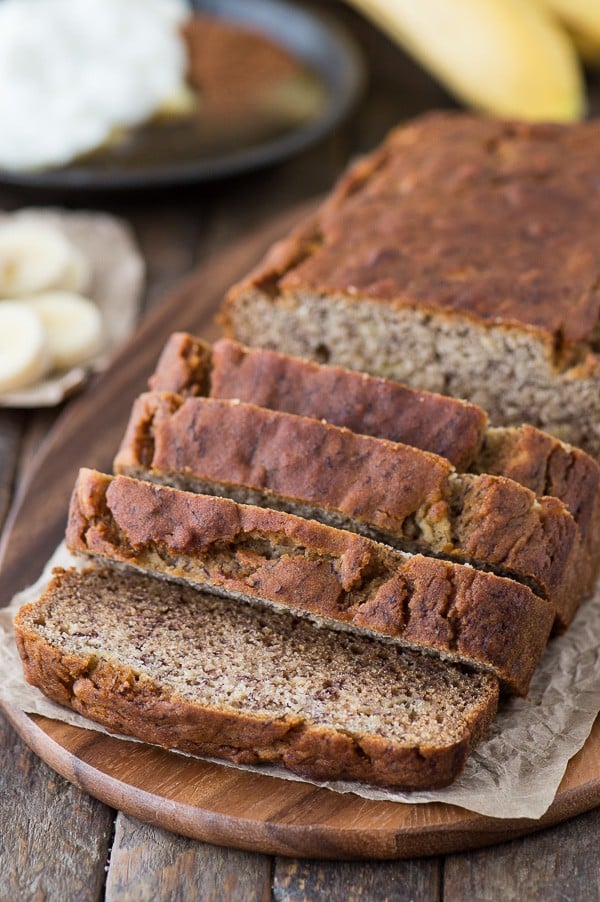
pixel 25 355
pixel 73 326
pixel 33 257
pixel 77 277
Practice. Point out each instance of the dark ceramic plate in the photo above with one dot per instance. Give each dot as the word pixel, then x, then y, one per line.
pixel 299 112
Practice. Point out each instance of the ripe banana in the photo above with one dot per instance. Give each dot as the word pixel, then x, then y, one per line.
pixel 505 57
pixel 24 353
pixel 73 326
pixel 77 277
pixel 582 16
pixel 587 47
pixel 36 257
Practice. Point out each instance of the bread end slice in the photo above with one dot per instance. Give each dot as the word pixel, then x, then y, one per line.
pixel 339 579
pixel 187 671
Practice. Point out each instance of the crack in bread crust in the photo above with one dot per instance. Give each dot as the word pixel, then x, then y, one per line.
pixel 456 270
pixel 335 577
pixel 389 491
pixel 384 409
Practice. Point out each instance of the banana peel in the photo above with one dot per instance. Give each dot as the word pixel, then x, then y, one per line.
pixel 587 47
pixel 581 19
pixel 507 58
pixel 581 16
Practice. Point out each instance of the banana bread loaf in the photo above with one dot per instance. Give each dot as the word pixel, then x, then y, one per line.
pixel 453 429
pixel 392 492
pixel 459 257
pixel 172 666
pixel 338 578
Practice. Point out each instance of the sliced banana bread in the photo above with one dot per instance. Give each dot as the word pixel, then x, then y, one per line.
pixel 384 409
pixel 341 579
pixel 172 666
pixel 366 404
pixel 392 492
pixel 459 257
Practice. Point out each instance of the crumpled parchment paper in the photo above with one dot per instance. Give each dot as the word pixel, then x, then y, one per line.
pixel 513 773
pixel 118 273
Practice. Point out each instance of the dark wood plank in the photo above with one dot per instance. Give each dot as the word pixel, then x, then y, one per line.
pixel 148 863
pixel 11 428
pixel 303 881
pixel 558 865
pixel 243 206
pixel 168 241
pixel 54 838
pixel 38 424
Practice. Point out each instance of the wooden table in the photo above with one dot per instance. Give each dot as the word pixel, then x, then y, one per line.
pixel 56 842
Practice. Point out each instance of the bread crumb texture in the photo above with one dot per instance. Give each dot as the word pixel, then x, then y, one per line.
pixel 192 671
pixel 459 257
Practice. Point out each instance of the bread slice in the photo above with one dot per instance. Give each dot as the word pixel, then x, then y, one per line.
pixel 337 578
pixel 184 670
pixel 391 492
pixel 547 466
pixel 373 406
pixel 453 429
pixel 459 257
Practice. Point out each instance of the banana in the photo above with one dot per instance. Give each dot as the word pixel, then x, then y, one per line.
pixel 73 326
pixel 587 47
pixel 35 257
pixel 505 57
pixel 25 356
pixel 580 16
pixel 77 277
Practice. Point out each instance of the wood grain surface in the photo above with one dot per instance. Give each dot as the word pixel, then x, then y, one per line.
pixel 556 865
pixel 176 230
pixel 201 800
pixel 26 845
pixel 147 864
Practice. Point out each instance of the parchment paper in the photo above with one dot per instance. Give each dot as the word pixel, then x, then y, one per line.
pixel 513 773
pixel 116 286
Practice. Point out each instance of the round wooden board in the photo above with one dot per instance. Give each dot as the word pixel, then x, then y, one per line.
pixel 206 801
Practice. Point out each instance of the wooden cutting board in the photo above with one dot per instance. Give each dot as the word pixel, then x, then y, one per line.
pixel 207 801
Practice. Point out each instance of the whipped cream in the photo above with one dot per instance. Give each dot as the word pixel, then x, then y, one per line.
pixel 74 72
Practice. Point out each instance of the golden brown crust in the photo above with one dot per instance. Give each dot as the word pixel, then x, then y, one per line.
pixel 281 454
pixel 244 551
pixel 400 494
pixel 124 700
pixel 113 697
pixel 384 409
pixel 547 467
pixel 480 225
pixel 365 404
pixel 184 366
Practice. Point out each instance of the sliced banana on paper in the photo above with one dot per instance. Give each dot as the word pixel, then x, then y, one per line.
pixel 35 258
pixel 73 326
pixel 25 355
pixel 78 275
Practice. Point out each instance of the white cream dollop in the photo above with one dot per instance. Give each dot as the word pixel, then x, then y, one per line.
pixel 74 71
